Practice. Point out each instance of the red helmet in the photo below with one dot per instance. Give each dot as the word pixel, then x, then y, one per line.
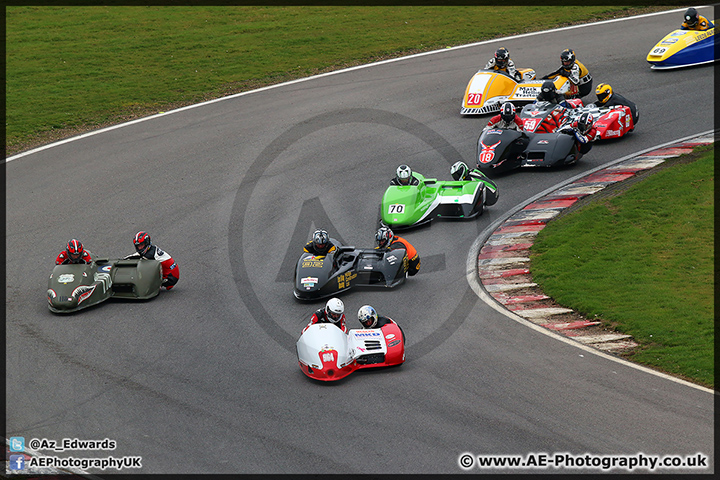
pixel 142 242
pixel 75 250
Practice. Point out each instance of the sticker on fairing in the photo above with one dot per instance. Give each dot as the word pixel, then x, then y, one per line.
pixel 488 153
pixel 66 278
pixel 309 281
pixel 396 208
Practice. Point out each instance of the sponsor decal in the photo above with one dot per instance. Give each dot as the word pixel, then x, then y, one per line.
pixel 344 279
pixel 600 125
pixel 527 91
pixel 309 281
pixel 312 262
pixel 391 259
pixel 66 278
pixel 487 154
pixel 494 132
pixel 534 113
pixel 390 335
pixel 612 133
pixel 543 142
pixel 367 267
pixel 105 268
pixel 367 334
pixel 669 41
pixel 393 343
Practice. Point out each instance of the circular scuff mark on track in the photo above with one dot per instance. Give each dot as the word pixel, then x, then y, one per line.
pixel 272 152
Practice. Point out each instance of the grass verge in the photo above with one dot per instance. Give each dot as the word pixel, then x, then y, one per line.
pixel 642 262
pixel 71 69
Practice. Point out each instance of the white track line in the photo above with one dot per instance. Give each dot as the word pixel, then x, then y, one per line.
pixel 336 72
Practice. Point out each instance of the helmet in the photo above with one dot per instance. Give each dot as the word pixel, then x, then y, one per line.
pixel 585 122
pixel 141 242
pixel 507 112
pixel 567 57
pixel 75 250
pixel 547 91
pixel 691 17
pixel 501 57
pixel 367 316
pixel 384 237
pixel 334 309
pixel 403 174
pixel 320 239
pixel 604 93
pixel 458 170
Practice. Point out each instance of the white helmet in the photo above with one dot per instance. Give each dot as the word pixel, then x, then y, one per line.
pixel 403 174
pixel 334 309
pixel 367 316
pixel 458 170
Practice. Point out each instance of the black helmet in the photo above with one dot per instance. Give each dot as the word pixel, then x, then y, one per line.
pixel 141 240
pixel 547 91
pixel 585 122
pixel 567 57
pixel 501 57
pixel 384 237
pixel 75 250
pixel 507 112
pixel 691 17
pixel 321 239
pixel 458 170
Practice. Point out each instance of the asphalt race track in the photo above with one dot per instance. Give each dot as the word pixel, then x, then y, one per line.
pixel 204 378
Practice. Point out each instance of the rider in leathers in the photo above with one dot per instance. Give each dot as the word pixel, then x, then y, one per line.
pixel 145 249
pixel 573 70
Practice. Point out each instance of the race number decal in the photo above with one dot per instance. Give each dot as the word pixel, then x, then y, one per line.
pixel 659 51
pixel 474 98
pixel 487 153
pixel 396 209
pixel 529 124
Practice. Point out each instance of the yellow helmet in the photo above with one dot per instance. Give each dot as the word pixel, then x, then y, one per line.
pixel 603 92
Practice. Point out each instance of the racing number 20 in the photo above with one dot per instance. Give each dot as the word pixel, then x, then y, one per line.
pixel 396 208
pixel 474 98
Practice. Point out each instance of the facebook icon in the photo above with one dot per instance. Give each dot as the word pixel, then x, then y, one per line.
pixel 17 462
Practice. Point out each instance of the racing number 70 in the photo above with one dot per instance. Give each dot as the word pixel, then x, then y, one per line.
pixel 396 208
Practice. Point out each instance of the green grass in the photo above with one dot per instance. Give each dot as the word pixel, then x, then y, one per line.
pixel 71 68
pixel 643 263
